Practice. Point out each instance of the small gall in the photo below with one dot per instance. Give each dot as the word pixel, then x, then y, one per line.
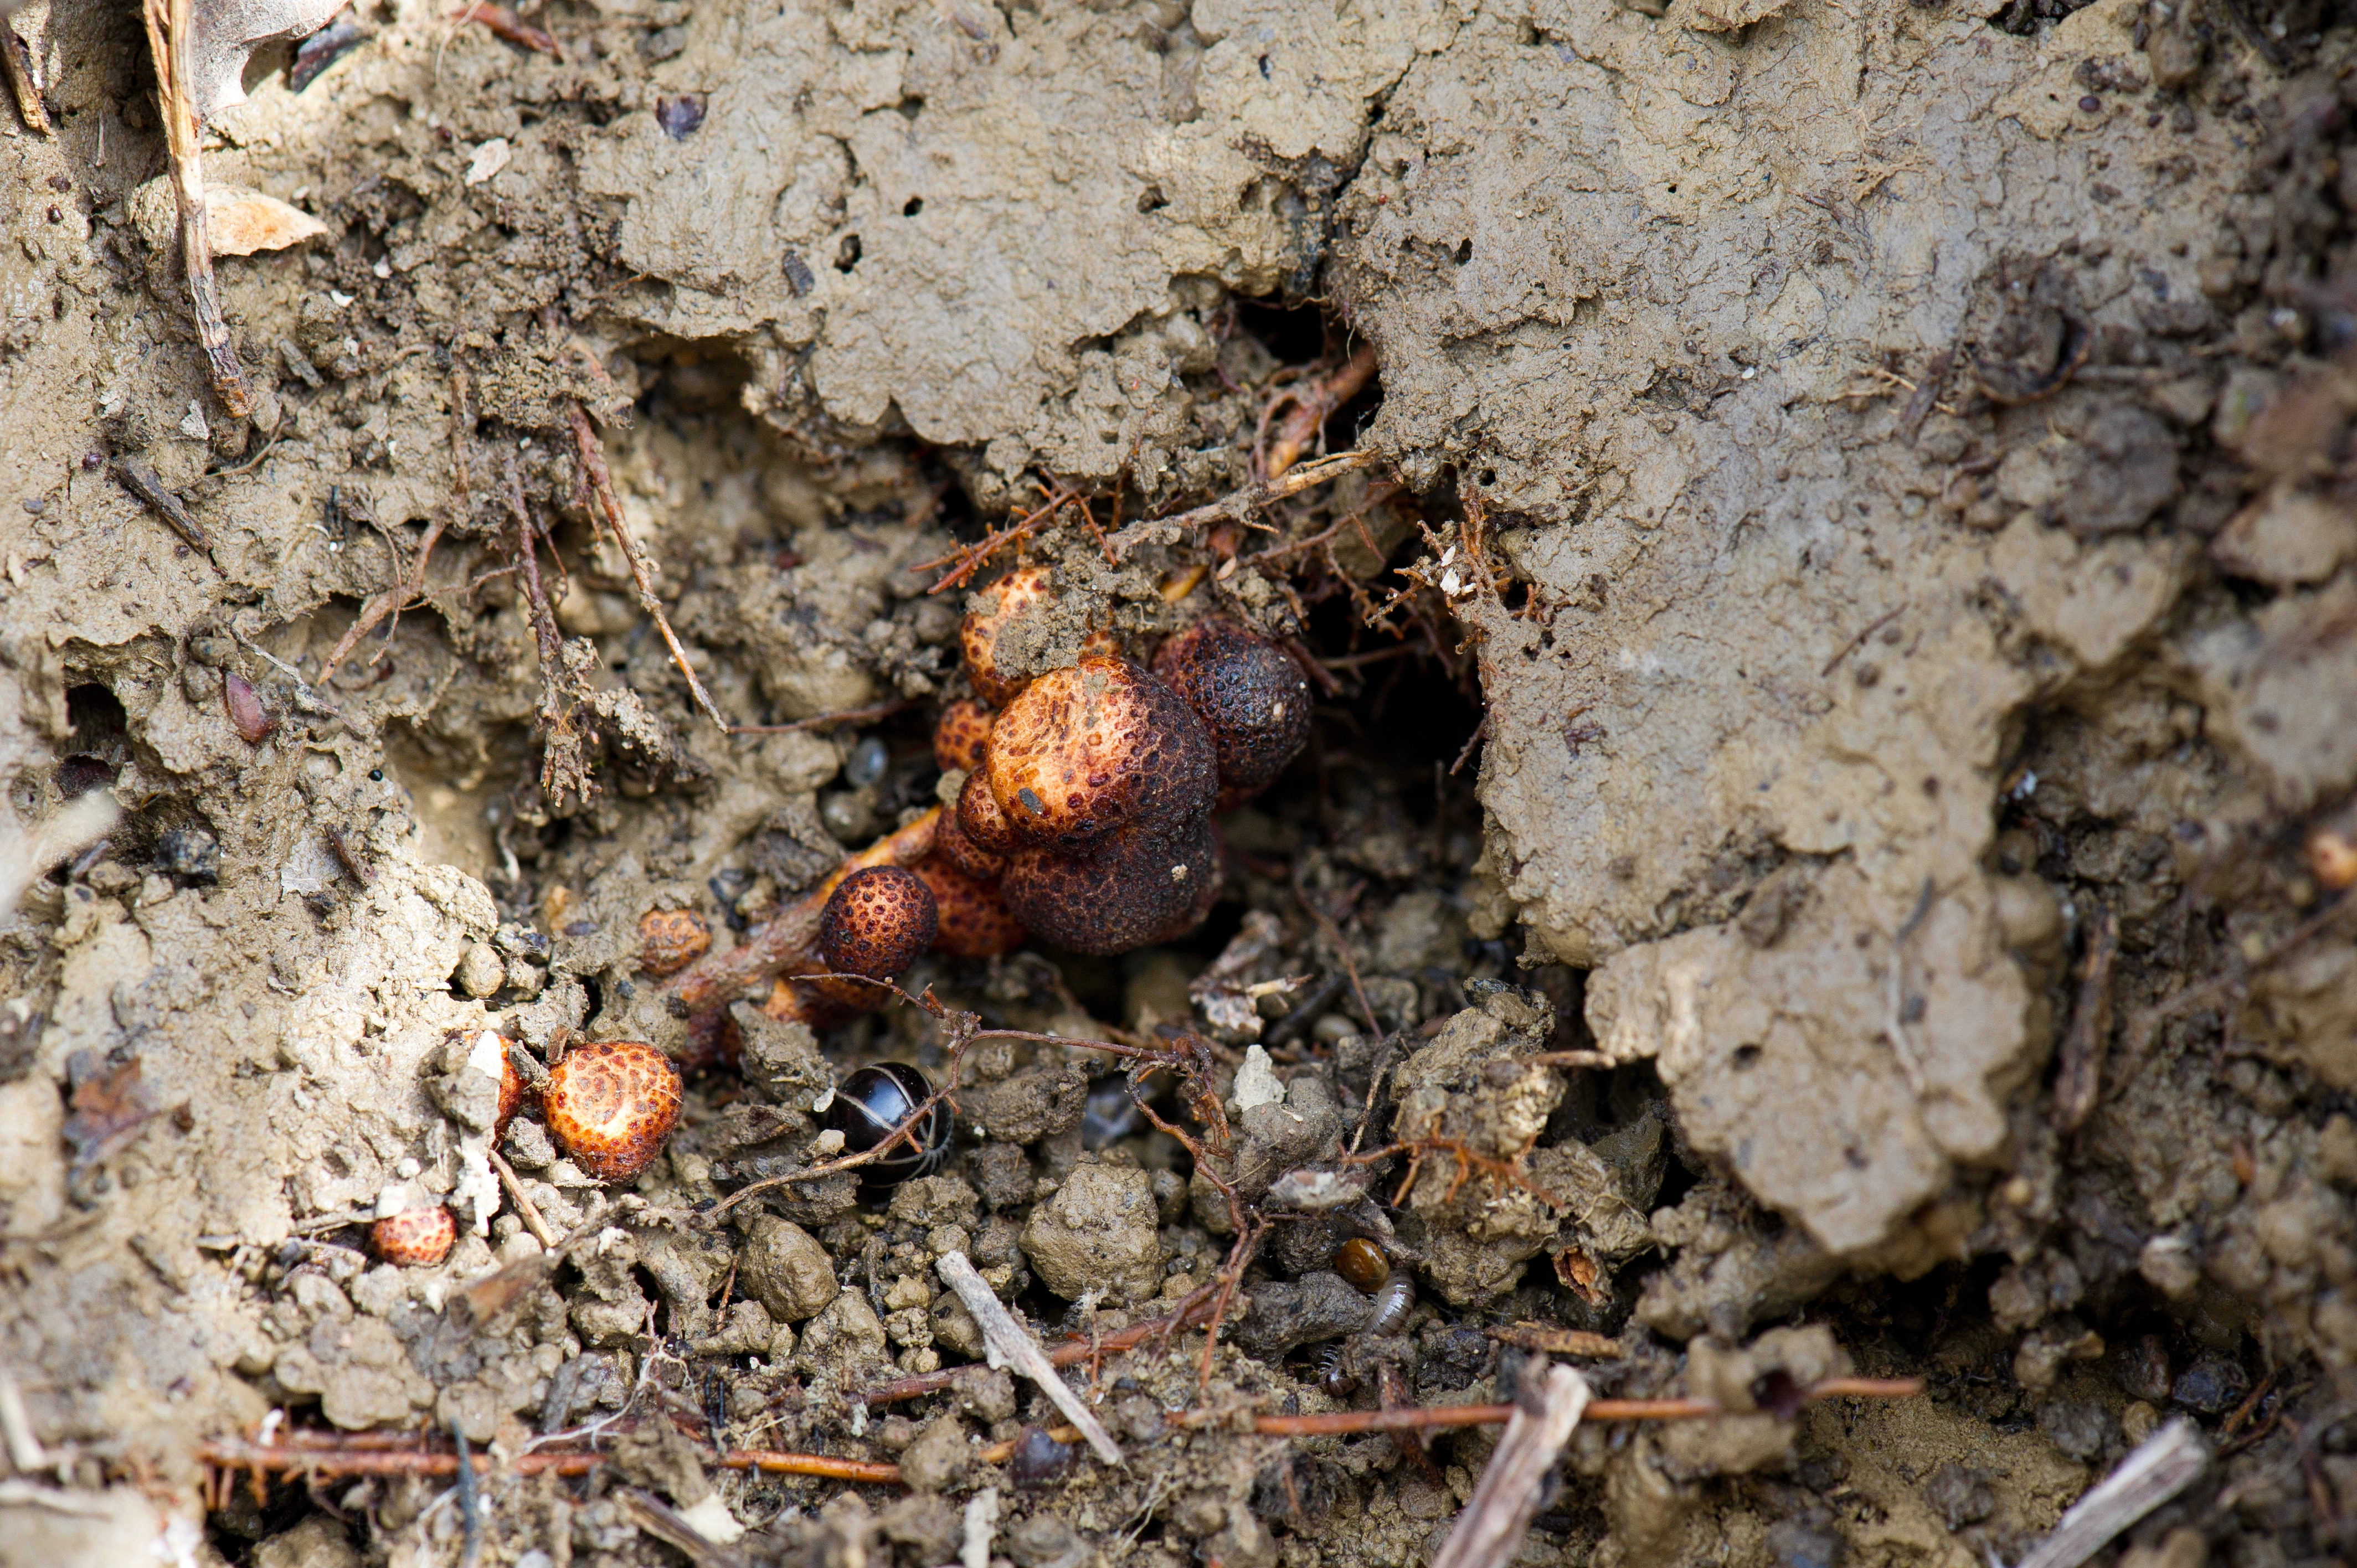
pixel 611 1104
pixel 671 939
pixel 975 921
pixel 1251 695
pixel 415 1238
pixel 877 922
pixel 962 736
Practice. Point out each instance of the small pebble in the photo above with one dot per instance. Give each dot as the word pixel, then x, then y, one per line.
pixel 2091 104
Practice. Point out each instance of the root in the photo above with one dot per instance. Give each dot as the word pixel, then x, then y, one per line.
pixel 592 453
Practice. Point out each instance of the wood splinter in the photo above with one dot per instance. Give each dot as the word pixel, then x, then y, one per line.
pixel 1010 1343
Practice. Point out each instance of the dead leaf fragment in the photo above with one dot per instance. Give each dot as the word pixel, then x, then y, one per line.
pixel 244 222
pixel 1580 1273
pixel 109 1110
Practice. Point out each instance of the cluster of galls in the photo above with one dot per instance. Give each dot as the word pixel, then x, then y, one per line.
pixel 1088 792
pixel 608 1104
pixel 1085 817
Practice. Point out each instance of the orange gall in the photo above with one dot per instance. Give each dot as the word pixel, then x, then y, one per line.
pixel 611 1104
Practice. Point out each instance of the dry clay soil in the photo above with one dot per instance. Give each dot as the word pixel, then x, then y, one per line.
pixel 1882 467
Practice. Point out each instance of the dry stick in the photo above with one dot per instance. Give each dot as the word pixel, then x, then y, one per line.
pixel 2197 996
pixel 387 603
pixel 2079 1082
pixel 524 1208
pixel 602 484
pixel 1494 1521
pixel 170 24
pixel 1010 1343
pixel 17 61
pixel 507 25
pixel 1358 990
pixel 2161 1467
pixel 241 1455
pixel 1310 414
pixel 1078 1350
pixel 1236 504
pixel 139 476
pixel 666 1524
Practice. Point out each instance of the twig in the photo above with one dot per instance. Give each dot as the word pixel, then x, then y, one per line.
pixel 470 1508
pixel 24 1444
pixel 524 1208
pixel 2140 1033
pixel 1419 1418
pixel 170 27
pixel 2163 1464
pixel 1500 1511
pixel 667 1525
pixel 236 1454
pixel 1855 643
pixel 2079 1082
pixel 507 25
pixel 305 697
pixel 602 484
pixel 16 62
pixel 1238 504
pixel 1556 1341
pixel 823 720
pixel 1010 1343
pixel 139 476
pixel 387 603
pixel 1366 1010
pixel 1310 411
pixel 970 560
pixel 1066 1355
pixel 1568 1059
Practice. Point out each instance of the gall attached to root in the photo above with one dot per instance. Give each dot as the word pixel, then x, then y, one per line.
pixel 961 736
pixel 415 1238
pixel 975 921
pixel 1251 695
pixel 953 846
pixel 611 1104
pixel 671 939
pixel 1139 886
pixel 1095 748
pixel 877 922
pixel 980 821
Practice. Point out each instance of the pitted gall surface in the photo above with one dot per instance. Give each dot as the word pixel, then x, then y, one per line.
pixel 978 637
pixel 611 1104
pixel 1138 887
pixel 961 735
pixel 415 1238
pixel 877 923
pixel 671 939
pixel 1099 747
pixel 1249 692
pixel 974 920
pixel 981 820
pixel 956 846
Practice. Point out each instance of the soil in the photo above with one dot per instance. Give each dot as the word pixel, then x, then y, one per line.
pixel 1855 623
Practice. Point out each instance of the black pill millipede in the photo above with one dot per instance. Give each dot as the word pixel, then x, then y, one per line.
pixel 872 1103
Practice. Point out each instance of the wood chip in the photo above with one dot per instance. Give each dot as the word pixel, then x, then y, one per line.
pixel 1555 1341
pixel 2162 1465
pixel 1492 1527
pixel 1010 1344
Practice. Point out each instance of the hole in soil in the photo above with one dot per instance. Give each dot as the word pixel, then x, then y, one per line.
pixel 846 255
pixel 911 207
